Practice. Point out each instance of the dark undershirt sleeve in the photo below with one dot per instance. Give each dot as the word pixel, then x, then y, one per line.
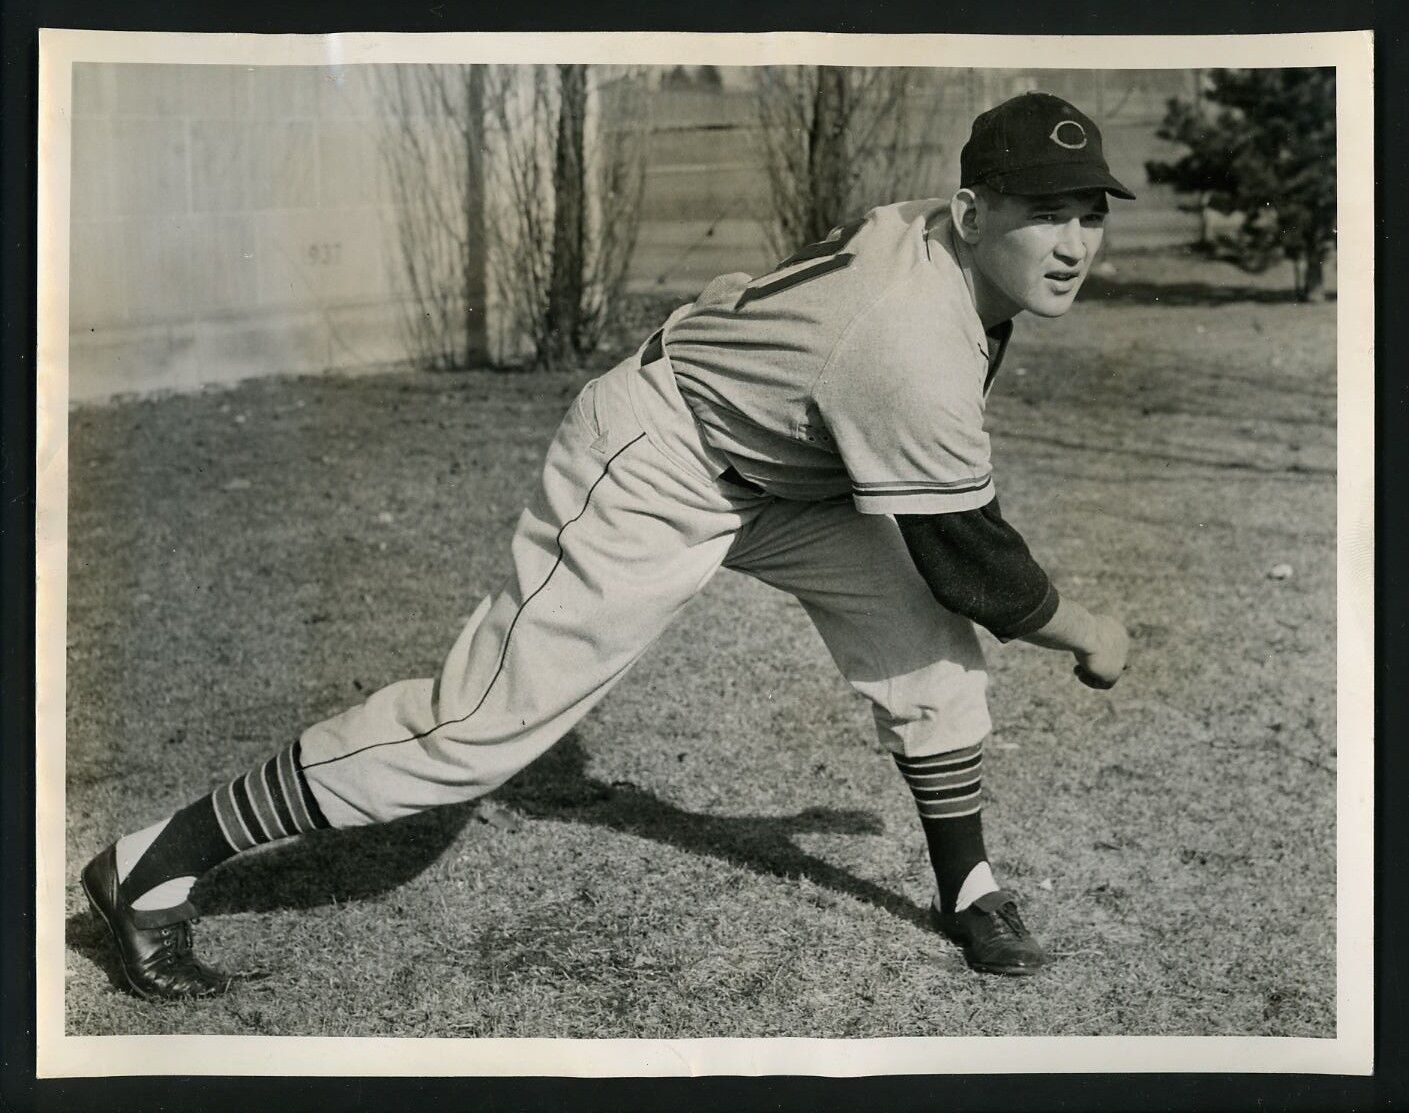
pixel 978 566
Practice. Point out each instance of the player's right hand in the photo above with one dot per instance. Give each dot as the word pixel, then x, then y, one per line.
pixel 1102 665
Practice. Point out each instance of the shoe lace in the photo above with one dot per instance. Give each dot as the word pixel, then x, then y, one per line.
pixel 176 940
pixel 1007 915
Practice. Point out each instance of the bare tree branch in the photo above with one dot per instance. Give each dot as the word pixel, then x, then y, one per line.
pixel 872 144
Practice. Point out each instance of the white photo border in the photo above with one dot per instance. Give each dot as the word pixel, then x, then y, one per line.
pixel 1349 1052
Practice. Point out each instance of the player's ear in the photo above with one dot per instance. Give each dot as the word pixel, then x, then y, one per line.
pixel 964 212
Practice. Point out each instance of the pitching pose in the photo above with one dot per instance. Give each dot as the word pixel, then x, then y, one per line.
pixel 820 427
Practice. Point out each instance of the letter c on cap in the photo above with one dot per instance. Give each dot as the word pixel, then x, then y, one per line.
pixel 1067 140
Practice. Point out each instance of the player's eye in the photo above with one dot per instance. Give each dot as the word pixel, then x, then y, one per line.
pixel 1094 220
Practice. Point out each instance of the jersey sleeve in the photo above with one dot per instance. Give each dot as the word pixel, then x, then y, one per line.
pixel 979 566
pixel 906 415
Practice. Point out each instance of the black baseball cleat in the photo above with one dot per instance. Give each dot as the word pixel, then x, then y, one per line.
pixel 992 934
pixel 153 948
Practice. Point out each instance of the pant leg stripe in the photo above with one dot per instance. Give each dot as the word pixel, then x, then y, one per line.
pixel 504 651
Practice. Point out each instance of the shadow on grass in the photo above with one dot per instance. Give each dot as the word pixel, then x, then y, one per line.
pixel 330 867
pixel 327 867
pixel 84 934
pixel 557 787
pixel 365 862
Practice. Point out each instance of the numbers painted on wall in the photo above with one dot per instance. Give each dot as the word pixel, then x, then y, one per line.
pixel 324 254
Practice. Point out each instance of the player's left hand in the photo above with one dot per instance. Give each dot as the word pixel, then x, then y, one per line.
pixel 1091 680
pixel 1105 663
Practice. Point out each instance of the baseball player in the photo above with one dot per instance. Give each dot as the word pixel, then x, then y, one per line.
pixel 820 427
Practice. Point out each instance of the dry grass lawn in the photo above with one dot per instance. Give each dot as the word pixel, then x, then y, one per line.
pixel 721 849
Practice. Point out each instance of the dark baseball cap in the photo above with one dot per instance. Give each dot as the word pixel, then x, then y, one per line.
pixel 1036 144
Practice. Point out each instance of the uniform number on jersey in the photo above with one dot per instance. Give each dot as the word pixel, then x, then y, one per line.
pixel 828 254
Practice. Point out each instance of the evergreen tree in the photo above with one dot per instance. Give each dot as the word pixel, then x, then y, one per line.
pixel 1263 147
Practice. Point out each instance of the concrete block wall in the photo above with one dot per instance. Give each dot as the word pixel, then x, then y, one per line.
pixel 707 188
pixel 230 221
pixel 226 221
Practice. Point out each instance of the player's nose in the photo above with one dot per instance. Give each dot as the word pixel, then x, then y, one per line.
pixel 1070 247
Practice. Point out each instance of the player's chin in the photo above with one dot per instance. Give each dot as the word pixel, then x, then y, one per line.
pixel 1049 302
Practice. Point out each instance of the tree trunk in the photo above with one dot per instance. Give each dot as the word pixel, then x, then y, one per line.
pixel 476 259
pixel 1315 277
pixel 827 155
pixel 565 294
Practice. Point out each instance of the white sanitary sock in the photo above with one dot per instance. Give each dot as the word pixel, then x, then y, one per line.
pixel 133 846
pixel 130 849
pixel 166 895
pixel 978 883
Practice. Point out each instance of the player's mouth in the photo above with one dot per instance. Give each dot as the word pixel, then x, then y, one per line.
pixel 1063 280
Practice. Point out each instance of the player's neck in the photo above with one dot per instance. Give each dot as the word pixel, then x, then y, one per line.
pixel 992 306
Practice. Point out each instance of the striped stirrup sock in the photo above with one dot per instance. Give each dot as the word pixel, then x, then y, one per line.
pixel 945 786
pixel 946 790
pixel 267 803
pixel 272 801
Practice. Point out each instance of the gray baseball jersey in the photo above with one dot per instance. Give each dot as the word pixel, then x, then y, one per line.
pixel 859 366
